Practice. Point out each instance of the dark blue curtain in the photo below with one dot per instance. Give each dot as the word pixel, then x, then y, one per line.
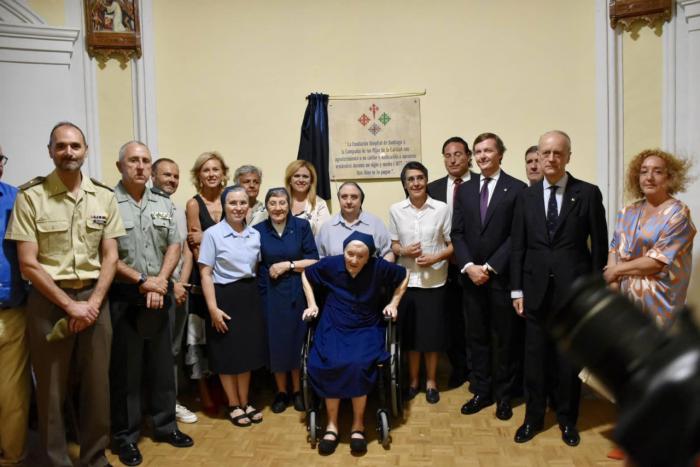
pixel 313 145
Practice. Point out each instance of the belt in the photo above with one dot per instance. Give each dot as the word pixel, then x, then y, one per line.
pixel 75 284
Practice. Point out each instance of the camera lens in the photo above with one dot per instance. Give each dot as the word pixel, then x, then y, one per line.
pixel 604 332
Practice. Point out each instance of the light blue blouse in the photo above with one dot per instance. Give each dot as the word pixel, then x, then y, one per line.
pixel 230 254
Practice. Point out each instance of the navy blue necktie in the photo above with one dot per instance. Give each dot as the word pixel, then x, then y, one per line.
pixel 552 213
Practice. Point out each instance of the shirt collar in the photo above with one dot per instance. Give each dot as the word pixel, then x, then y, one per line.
pixel 465 177
pixel 229 232
pixel 430 202
pixel 361 219
pixel 561 183
pixel 122 195
pixel 55 186
pixel 493 177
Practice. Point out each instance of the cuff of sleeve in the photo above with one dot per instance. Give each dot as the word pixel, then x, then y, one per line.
pixel 464 269
pixel 516 294
pixel 658 256
pixel 488 266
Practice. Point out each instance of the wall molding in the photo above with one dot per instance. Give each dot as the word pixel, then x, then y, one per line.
pixel 143 83
pixel 14 11
pixel 610 112
pixel 26 38
pixel 87 86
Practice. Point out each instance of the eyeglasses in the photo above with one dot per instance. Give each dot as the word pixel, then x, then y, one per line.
pixel 3 160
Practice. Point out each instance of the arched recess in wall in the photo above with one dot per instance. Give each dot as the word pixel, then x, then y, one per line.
pixel 47 77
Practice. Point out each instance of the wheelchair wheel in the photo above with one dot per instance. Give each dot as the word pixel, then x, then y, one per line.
pixel 395 375
pixel 312 427
pixel 306 390
pixel 383 428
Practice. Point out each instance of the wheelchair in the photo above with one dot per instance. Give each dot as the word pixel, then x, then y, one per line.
pixel 388 387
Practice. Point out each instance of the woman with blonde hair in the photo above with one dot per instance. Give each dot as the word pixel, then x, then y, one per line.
pixel 209 175
pixel 300 181
pixel 650 256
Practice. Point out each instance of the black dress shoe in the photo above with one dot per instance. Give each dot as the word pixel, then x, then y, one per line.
pixel 358 445
pixel 129 454
pixel 280 403
pixel 298 401
pixel 527 431
pixel 326 446
pixel 177 439
pixel 475 404
pixel 569 434
pixel 503 410
pixel 432 395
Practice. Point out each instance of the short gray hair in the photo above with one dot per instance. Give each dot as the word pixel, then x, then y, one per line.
pixel 246 169
pixel 122 150
pixel 279 192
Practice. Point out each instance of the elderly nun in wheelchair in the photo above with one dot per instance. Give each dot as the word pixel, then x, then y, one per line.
pixel 349 340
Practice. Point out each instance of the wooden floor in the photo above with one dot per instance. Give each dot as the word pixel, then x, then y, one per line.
pixel 429 435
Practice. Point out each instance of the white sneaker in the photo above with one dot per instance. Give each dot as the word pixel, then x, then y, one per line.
pixel 184 415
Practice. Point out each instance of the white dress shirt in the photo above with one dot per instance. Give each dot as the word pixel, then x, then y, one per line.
pixel 449 196
pixel 430 225
pixel 561 186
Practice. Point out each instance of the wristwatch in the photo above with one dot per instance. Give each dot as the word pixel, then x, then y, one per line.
pixel 291 266
pixel 142 279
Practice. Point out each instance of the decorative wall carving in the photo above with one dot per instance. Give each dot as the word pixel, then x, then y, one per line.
pixel 649 12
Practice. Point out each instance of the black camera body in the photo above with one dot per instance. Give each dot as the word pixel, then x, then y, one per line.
pixel 654 373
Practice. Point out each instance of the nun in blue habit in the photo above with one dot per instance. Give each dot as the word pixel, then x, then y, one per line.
pixel 349 338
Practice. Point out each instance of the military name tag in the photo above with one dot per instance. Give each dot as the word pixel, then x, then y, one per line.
pixel 99 219
pixel 161 215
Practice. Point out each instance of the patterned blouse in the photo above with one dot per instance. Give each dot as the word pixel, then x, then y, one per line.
pixel 667 236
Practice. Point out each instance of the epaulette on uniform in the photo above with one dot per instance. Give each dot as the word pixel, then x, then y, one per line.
pixel 33 182
pixel 160 192
pixel 100 184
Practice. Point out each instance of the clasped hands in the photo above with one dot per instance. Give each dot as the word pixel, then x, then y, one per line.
pixel 478 274
pixel 414 250
pixel 83 314
pixel 155 289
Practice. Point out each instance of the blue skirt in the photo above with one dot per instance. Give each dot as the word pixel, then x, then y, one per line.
pixel 343 362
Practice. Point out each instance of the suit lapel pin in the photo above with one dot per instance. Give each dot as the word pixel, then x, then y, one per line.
pixel 505 189
pixel 573 199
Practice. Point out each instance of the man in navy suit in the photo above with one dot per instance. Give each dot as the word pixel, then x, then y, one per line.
pixel 457 158
pixel 481 224
pixel 554 221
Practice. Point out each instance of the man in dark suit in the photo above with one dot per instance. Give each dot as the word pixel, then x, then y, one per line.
pixel 554 221
pixel 481 224
pixel 457 159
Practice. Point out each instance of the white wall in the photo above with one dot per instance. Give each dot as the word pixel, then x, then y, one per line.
pixel 44 80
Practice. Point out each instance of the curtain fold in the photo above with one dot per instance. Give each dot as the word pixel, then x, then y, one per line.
pixel 313 144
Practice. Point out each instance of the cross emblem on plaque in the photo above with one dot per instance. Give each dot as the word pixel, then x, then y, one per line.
pixel 373 108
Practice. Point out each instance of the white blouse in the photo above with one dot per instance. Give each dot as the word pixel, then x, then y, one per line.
pixel 430 225
pixel 316 216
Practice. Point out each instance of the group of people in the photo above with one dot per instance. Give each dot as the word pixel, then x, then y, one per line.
pixel 118 288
